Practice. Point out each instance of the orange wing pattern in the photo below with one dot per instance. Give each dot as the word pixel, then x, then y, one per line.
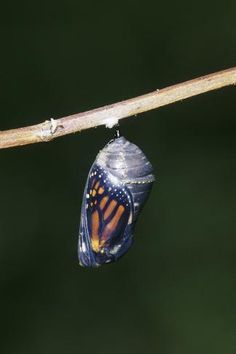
pixel 108 209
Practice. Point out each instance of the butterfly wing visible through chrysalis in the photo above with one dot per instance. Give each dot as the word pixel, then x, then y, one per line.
pixel 106 230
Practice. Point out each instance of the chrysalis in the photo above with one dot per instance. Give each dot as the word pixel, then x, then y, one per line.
pixel 117 187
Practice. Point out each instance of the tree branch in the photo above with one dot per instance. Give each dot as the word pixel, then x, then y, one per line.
pixel 109 115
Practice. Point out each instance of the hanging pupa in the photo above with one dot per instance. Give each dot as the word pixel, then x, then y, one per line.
pixel 116 190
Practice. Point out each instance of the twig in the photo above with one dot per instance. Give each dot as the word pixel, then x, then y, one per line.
pixel 109 115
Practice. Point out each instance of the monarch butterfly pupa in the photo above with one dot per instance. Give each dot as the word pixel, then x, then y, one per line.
pixel 117 188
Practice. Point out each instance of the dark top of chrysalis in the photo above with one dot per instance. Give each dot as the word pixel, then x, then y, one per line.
pixel 126 161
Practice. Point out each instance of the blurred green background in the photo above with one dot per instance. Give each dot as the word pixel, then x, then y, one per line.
pixel 174 292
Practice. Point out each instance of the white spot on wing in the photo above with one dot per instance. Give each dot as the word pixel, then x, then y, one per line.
pixel 83 247
pixel 115 249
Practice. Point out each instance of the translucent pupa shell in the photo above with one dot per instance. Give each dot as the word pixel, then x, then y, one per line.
pixel 116 190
